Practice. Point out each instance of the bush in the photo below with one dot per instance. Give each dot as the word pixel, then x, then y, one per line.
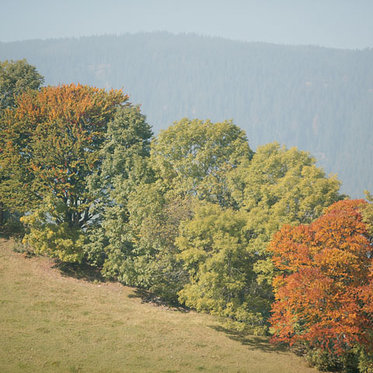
pixel 47 235
pixel 12 227
pixel 365 361
pixel 328 361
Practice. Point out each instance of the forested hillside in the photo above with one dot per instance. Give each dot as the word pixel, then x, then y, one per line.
pixel 317 99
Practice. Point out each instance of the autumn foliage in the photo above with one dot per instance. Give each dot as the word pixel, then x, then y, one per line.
pixel 324 289
pixel 50 142
pixel 50 145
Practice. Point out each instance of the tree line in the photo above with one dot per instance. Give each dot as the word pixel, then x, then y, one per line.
pixel 264 239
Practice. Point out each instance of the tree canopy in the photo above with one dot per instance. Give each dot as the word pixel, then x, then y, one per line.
pixel 279 186
pixel 189 161
pixel 15 78
pixel 215 252
pixel 324 290
pixel 193 157
pixel 51 141
pixel 50 145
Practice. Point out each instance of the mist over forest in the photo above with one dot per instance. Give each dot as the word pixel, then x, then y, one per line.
pixel 317 99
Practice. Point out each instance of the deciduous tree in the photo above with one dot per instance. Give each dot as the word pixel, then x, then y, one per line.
pixel 279 186
pixel 324 290
pixel 190 161
pixel 193 157
pixel 17 77
pixel 50 144
pixel 215 252
pixel 124 169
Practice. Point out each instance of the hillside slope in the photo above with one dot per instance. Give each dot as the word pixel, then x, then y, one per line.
pixel 318 99
pixel 53 323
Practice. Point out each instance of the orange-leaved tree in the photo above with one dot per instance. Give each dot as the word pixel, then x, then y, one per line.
pixel 324 288
pixel 50 144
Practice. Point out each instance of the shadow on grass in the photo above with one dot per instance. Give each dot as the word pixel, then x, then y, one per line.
pixel 8 235
pixel 4 235
pixel 252 341
pixel 148 297
pixel 80 271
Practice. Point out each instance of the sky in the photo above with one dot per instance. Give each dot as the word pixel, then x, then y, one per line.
pixel 328 23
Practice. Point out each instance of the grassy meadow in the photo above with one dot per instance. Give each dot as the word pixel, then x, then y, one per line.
pixel 52 322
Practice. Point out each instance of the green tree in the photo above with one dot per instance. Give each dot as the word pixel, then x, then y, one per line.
pixel 215 252
pixel 189 162
pixel 16 77
pixel 368 213
pixel 280 186
pixel 193 158
pixel 155 217
pixel 124 167
pixel 224 250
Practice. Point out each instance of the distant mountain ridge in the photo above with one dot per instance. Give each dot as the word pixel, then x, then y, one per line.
pixel 318 99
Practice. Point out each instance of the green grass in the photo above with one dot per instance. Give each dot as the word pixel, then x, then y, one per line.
pixel 54 323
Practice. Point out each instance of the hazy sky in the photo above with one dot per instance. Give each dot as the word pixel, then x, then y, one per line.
pixel 331 23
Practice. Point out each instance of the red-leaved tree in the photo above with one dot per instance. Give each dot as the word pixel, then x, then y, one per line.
pixel 324 290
